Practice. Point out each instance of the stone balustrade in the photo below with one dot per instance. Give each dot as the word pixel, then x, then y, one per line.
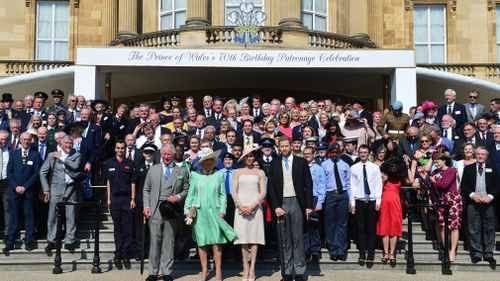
pixel 15 67
pixel 490 72
pixel 227 35
pixel 159 39
pixel 328 40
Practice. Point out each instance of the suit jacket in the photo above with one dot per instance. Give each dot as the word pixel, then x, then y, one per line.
pixel 4 123
pixel 48 149
pixel 157 189
pixel 313 122
pixel 489 138
pixel 255 135
pixel 19 175
pixel 479 111
pixel 95 136
pixel 405 148
pixel 211 121
pixel 252 113
pixel 59 169
pixel 468 184
pixel 130 126
pixel 302 183
pixel 458 113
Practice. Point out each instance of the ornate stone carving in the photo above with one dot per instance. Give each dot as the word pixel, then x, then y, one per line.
pixel 408 5
pixel 491 5
pixel 27 2
pixel 77 3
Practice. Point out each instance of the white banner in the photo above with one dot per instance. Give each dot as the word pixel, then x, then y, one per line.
pixel 245 58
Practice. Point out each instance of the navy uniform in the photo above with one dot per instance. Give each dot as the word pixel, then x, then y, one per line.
pixel 350 159
pixel 56 93
pixel 120 176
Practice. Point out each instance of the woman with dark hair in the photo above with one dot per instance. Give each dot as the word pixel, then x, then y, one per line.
pixel 390 223
pixel 445 185
pixel 166 113
pixel 284 125
pixel 333 133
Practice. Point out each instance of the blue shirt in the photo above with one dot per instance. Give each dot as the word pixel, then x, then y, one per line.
pixel 344 172
pixel 319 182
pixel 231 173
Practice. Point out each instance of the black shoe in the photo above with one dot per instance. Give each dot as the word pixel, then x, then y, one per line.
pixel 194 257
pixel 342 258
pixel 288 278
pixel 333 257
pixel 29 247
pixel 369 263
pixel 6 250
pixel 315 258
pixel 48 250
pixel 118 263
pixel 70 247
pixel 126 263
pixel 362 260
pixel 299 277
pixel 151 278
pixel 492 262
pixel 167 278
pixel 475 260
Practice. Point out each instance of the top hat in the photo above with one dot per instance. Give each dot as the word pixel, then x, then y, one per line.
pixel 7 97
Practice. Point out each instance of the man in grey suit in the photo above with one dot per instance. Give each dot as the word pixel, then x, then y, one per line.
pixel 474 110
pixel 59 175
pixel 164 182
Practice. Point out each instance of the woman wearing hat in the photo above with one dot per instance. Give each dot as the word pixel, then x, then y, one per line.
pixel 34 124
pixel 357 127
pixel 430 110
pixel 205 208
pixel 249 191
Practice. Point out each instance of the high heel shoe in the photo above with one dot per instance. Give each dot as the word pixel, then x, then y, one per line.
pixel 385 258
pixel 392 260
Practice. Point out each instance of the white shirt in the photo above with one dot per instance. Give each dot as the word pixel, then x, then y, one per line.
pixel 5 161
pixel 448 133
pixel 374 182
pixel 67 179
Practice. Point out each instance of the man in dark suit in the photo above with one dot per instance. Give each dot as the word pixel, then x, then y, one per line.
pixel 217 115
pixel 207 109
pixel 256 106
pixel 4 186
pixel 304 121
pixel 456 110
pixel 200 127
pixel 483 133
pixel 4 118
pixel 15 133
pixel 450 132
pixel 7 101
pixel 468 136
pixel 143 117
pixel 22 172
pixel 290 194
pixel 249 138
pixel 409 144
pixel 480 185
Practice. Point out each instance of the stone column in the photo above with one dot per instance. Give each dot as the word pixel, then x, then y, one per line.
pixel 197 13
pixel 109 21
pixel 290 11
pixel 358 12
pixel 376 21
pixel 127 18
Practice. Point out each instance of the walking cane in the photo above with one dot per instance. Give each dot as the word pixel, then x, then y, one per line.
pixel 280 227
pixel 143 239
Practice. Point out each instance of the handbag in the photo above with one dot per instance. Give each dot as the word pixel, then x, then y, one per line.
pixel 190 216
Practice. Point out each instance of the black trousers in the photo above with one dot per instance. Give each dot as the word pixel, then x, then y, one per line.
pixel 122 221
pixel 366 221
pixel 138 221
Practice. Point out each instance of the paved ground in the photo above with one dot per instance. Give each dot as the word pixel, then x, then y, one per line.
pixel 346 275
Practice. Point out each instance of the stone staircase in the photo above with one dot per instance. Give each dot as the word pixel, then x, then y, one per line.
pixel 426 258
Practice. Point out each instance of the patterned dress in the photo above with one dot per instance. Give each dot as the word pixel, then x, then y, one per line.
pixel 446 188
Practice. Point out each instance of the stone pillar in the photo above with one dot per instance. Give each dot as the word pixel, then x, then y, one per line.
pixel 127 18
pixel 358 20
pixel 376 21
pixel 404 87
pixel 290 11
pixel 109 21
pixel 197 13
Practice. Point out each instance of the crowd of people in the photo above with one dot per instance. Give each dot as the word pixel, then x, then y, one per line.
pixel 241 173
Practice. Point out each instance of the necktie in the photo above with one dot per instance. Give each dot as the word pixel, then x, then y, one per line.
pixel 167 172
pixel 365 180
pixel 480 169
pixel 228 183
pixel 449 109
pixel 248 140
pixel 148 166
pixel 42 151
pixel 286 163
pixel 208 112
pixel 338 181
pixel 25 157
pixel 445 134
pixel 484 135
pixel 198 133
pixel 217 116
pixel 14 143
pixel 129 157
pixel 268 160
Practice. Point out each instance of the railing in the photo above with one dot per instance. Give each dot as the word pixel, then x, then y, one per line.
pixel 410 261
pixel 164 38
pixel 14 67
pixel 481 71
pixel 337 41
pixel 227 35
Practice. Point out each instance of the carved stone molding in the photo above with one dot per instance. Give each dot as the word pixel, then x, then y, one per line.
pixel 491 5
pixel 77 3
pixel 27 2
pixel 450 3
pixel 407 4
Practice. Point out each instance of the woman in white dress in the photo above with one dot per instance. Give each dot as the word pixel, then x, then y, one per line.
pixel 249 190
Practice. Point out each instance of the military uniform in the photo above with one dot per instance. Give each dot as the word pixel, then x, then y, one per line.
pixel 396 126
pixel 120 175
pixel 55 107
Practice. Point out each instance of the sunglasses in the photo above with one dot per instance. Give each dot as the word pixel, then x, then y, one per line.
pixel 472 97
pixel 425 141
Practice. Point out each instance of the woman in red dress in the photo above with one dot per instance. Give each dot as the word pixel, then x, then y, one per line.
pixel 390 223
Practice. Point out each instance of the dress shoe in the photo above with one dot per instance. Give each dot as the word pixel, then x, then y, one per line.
pixel 475 260
pixel 48 250
pixel 29 247
pixel 361 260
pixel 70 247
pixel 342 258
pixel 369 263
pixel 299 277
pixel 126 263
pixel 492 262
pixel 7 249
pixel 167 278
pixel 118 263
pixel 151 278
pixel 333 257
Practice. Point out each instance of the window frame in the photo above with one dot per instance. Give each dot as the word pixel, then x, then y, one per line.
pixel 172 12
pixel 429 43
pixel 52 38
pixel 315 14
pixel 226 5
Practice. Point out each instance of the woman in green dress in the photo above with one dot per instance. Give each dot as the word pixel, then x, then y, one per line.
pixel 205 208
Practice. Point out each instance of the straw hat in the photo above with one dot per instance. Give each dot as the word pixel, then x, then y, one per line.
pixel 248 151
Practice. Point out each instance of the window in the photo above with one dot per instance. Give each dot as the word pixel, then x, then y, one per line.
pixel 234 5
pixel 314 14
pixel 172 14
pixel 498 33
pixel 52 35
pixel 430 33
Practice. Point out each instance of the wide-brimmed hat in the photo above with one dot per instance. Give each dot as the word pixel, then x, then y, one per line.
pixel 207 153
pixel 231 101
pixel 394 169
pixel 7 97
pixel 248 151
pixel 103 102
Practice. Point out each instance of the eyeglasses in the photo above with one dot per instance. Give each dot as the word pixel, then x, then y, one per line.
pixel 472 97
pixel 72 100
pixel 425 141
